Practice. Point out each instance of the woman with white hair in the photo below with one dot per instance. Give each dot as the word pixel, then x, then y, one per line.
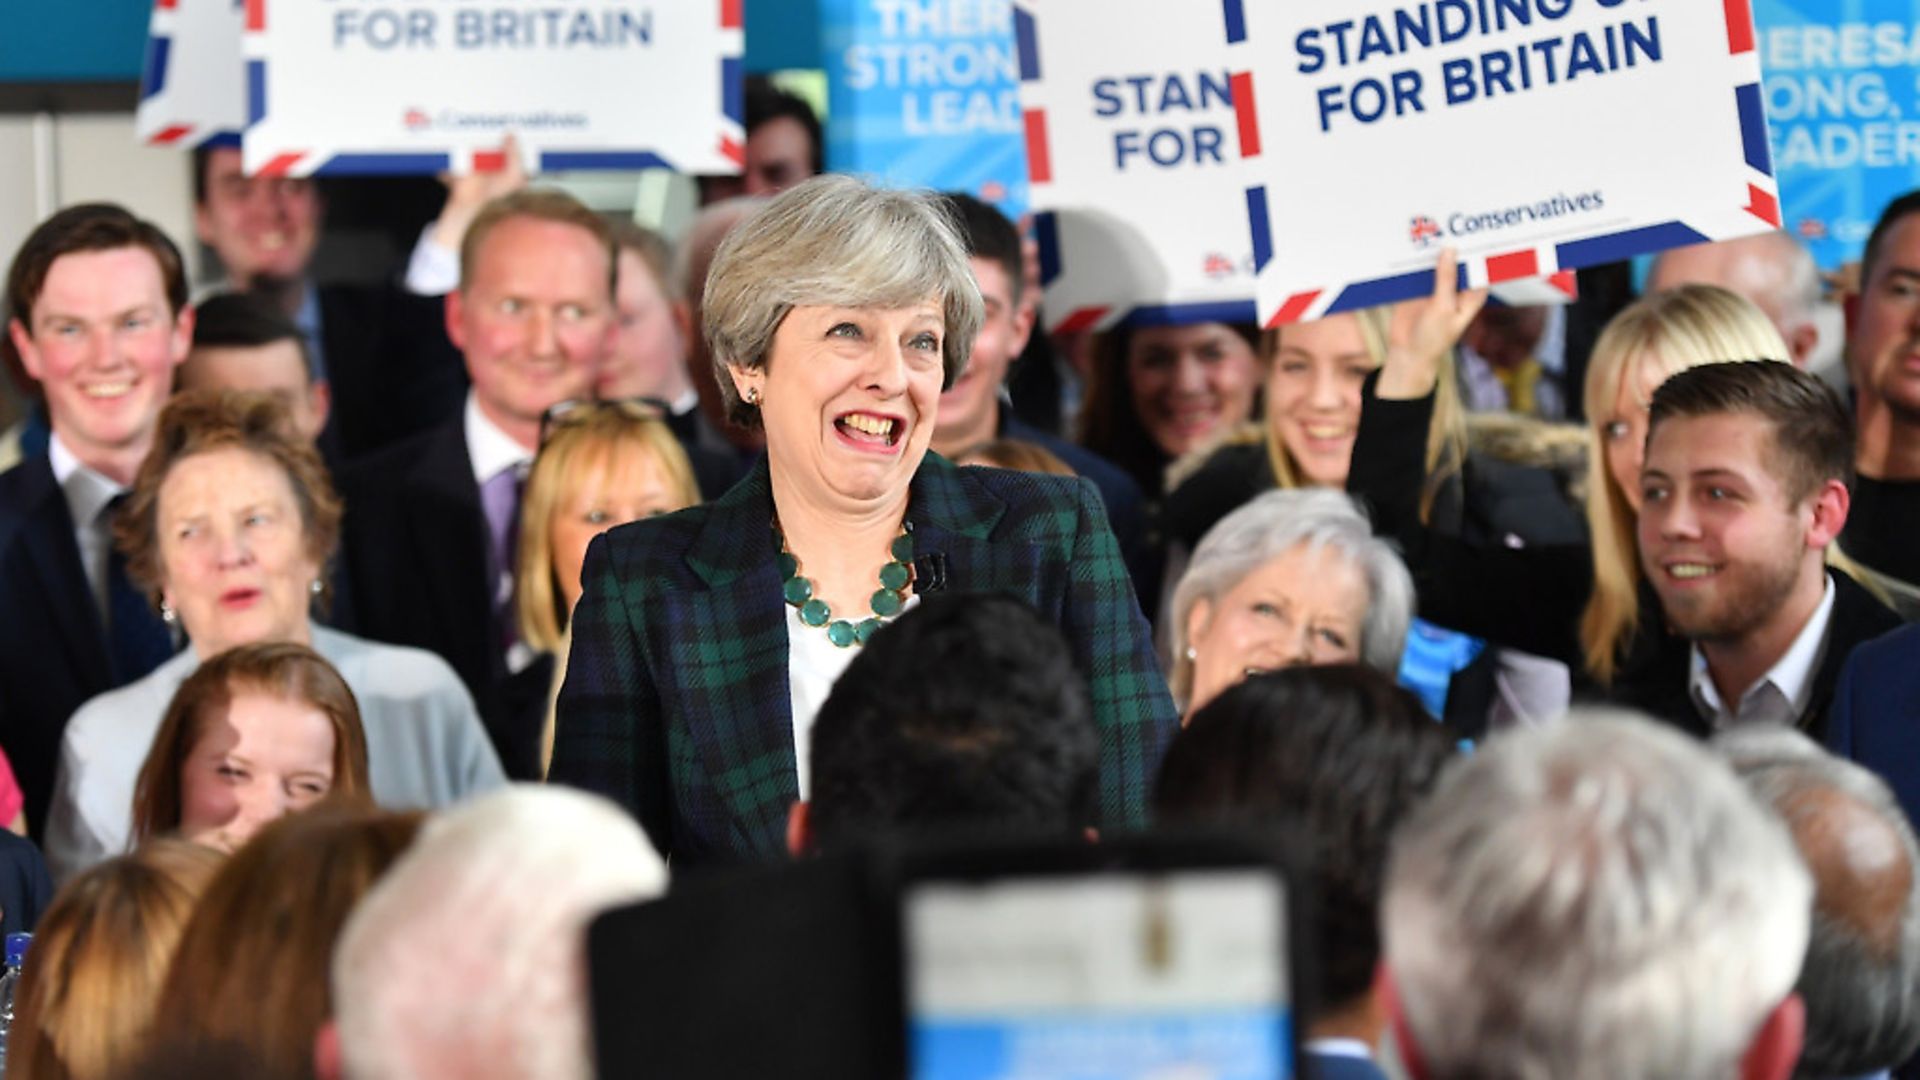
pixel 706 640
pixel 1294 577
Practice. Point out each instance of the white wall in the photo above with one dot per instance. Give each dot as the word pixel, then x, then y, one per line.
pixel 88 157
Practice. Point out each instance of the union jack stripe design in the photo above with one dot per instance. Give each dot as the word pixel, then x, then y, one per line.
pixel 1551 261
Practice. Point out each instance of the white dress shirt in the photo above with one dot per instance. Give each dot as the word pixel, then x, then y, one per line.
pixel 87 493
pixel 1781 695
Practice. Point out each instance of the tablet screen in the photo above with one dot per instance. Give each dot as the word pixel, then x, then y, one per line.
pixel 1167 975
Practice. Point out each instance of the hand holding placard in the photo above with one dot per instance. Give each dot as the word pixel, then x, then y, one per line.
pixel 1422 333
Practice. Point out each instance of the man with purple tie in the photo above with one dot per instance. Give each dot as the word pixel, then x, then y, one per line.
pixel 431 522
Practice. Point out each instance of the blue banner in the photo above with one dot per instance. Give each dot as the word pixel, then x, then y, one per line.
pixel 1840 77
pixel 926 93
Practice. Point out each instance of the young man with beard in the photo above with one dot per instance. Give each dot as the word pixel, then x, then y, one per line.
pixel 1747 481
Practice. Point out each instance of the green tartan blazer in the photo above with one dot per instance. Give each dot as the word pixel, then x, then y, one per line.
pixel 676 702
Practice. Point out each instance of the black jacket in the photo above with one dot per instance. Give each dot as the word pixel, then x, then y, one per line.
pixel 414 547
pixel 53 648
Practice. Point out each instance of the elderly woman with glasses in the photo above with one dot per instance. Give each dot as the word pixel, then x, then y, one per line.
pixel 601 464
pixel 230 525
pixel 705 641
pixel 1293 578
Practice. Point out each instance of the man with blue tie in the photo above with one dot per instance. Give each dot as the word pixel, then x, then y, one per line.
pixel 97 314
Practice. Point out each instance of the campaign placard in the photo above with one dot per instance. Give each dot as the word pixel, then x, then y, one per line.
pixel 421 86
pixel 1134 155
pixel 926 93
pixel 1840 79
pixel 192 86
pixel 1533 136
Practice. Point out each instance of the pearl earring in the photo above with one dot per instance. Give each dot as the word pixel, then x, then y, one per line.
pixel 753 395
pixel 167 614
pixel 316 588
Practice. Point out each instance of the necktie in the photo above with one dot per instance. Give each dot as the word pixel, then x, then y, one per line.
pixel 500 498
pixel 138 639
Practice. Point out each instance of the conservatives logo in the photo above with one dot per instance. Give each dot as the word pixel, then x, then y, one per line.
pixel 417 120
pixel 1425 231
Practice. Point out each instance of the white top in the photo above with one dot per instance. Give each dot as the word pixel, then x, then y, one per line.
pixel 87 493
pixel 490 450
pixel 814 664
pixel 425 745
pixel 1783 693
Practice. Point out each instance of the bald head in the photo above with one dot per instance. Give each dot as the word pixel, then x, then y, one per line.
pixel 1861 981
pixel 1772 270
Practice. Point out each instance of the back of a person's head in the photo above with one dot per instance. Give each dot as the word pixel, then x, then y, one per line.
pixel 1597 900
pixel 252 966
pixel 100 953
pixel 468 959
pixel 965 714
pixel 1861 982
pixel 1339 754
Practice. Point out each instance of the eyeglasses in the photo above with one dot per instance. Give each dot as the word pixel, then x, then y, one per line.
pixel 579 410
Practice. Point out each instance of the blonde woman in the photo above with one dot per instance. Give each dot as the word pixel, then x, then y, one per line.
pixel 99 958
pixel 1314 375
pixel 601 464
pixel 1585 604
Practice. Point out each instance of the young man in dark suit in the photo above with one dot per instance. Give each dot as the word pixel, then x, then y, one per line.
pixel 380 348
pixel 1746 484
pixel 431 524
pixel 97 314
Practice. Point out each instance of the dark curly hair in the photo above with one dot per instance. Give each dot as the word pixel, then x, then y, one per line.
pixel 1339 753
pixel 966 713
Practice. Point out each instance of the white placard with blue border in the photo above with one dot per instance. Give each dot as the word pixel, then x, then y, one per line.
pixel 424 86
pixel 1534 136
pixel 926 94
pixel 1841 78
pixel 192 85
pixel 1135 161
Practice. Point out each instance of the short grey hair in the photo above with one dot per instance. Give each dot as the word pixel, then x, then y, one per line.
pixel 1275 523
pixel 1861 982
pixel 840 242
pixel 1601 898
pixel 468 959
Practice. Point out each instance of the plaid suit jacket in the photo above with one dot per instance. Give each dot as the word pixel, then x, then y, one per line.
pixel 676 702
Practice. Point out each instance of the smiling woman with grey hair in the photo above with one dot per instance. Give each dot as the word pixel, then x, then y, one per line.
pixel 1293 577
pixel 705 641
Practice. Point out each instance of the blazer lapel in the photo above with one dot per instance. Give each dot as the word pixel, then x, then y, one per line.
pixel 50 548
pixel 728 645
pixel 449 529
pixel 954 550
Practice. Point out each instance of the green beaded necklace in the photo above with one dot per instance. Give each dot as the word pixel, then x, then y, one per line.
pixel 887 601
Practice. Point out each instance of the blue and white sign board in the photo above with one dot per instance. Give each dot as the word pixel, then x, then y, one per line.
pixel 423 86
pixel 1533 136
pixel 1134 154
pixel 193 88
pixel 926 93
pixel 1841 76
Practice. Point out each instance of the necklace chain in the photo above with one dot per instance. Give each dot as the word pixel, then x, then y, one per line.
pixel 887 601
